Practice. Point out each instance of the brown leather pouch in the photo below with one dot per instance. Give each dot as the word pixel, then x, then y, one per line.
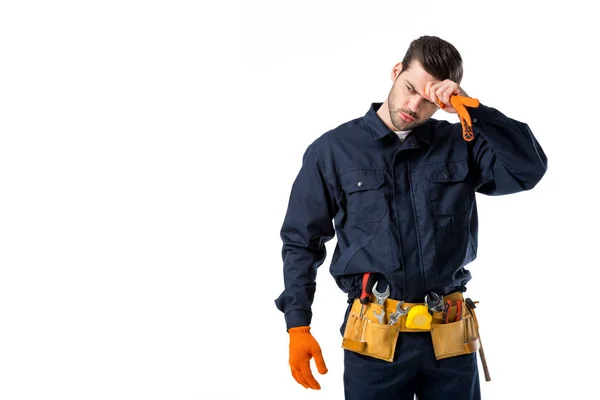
pixel 454 338
pixel 366 336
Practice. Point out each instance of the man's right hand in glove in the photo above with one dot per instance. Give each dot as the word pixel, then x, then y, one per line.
pixel 303 347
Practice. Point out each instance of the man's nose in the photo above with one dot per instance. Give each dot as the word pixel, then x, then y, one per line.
pixel 414 104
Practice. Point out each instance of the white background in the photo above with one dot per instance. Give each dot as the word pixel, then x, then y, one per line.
pixel 147 151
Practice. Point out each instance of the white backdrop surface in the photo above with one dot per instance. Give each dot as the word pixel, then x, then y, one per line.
pixel 147 151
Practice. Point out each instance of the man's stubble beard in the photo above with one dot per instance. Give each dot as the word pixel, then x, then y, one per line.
pixel 398 122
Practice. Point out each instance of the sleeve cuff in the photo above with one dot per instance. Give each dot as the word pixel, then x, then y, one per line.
pixel 296 318
pixel 480 114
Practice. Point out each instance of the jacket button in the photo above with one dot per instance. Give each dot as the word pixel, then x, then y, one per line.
pixel 447 174
pixel 413 144
pixel 474 120
pixel 359 184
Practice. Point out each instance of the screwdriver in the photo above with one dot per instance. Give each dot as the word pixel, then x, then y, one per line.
pixel 367 286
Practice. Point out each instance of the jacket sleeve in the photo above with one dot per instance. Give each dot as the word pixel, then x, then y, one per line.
pixel 306 228
pixel 508 158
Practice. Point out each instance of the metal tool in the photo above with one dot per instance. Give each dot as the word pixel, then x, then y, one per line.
pixel 434 302
pixel 398 313
pixel 459 310
pixel 379 316
pixel 367 285
pixel 381 297
pixel 471 304
pixel 446 308
pixel 445 315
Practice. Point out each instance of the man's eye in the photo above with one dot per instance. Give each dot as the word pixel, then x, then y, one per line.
pixel 410 89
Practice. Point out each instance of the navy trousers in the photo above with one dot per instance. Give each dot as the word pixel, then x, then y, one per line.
pixel 415 371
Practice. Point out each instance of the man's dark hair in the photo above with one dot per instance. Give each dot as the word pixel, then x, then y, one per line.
pixel 438 57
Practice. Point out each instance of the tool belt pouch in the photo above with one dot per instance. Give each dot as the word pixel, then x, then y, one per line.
pixel 366 336
pixel 454 338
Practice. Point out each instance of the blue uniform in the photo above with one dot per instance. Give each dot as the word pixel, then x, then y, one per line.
pixel 405 211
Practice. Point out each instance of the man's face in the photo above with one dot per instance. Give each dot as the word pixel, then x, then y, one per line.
pixel 408 109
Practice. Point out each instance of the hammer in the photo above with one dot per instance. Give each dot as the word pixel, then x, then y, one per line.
pixel 471 305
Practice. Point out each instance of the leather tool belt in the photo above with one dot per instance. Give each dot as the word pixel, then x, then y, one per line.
pixel 453 331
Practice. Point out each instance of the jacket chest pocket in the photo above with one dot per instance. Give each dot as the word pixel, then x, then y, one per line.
pixel 364 190
pixel 448 187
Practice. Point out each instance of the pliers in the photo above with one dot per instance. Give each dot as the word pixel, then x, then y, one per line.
pixel 459 307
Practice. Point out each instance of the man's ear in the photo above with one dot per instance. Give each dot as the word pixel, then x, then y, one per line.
pixel 396 71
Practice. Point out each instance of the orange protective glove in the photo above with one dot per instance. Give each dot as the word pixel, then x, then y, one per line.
pixel 303 347
pixel 460 103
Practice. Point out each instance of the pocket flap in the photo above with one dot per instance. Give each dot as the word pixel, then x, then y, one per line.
pixel 353 345
pixel 449 172
pixel 359 180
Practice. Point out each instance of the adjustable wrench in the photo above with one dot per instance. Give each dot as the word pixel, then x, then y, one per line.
pixel 434 302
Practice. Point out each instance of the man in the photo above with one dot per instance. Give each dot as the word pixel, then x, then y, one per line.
pixel 400 188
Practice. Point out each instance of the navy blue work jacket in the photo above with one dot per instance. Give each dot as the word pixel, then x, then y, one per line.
pixel 406 211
